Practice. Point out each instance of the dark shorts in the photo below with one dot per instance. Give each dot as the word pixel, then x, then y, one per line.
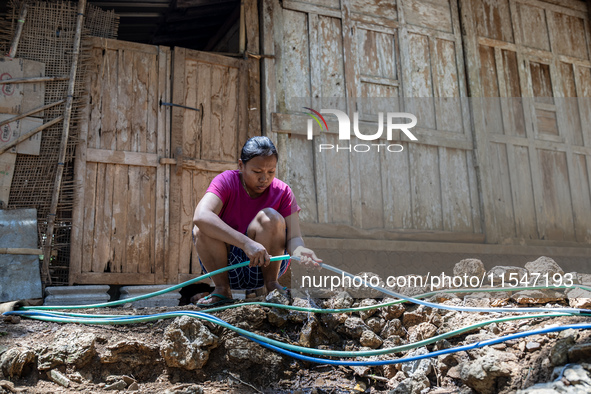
pixel 246 278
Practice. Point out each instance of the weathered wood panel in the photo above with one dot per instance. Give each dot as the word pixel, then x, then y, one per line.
pixel 573 129
pixel 582 208
pixel 557 205
pixel 514 116
pixel 447 90
pixel 490 89
pixel 434 14
pixel 411 61
pixel 520 173
pixel 455 187
pixel 533 26
pixel 493 19
pixel 425 187
pixel 216 86
pixel 569 35
pixel 374 10
pixel 541 75
pixel 420 81
pixel 501 197
pixel 118 203
pixel 395 174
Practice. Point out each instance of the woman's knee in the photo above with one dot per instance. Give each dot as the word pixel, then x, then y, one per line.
pixel 269 219
pixel 202 240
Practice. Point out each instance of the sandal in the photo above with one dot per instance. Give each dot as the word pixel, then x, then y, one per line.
pixel 223 301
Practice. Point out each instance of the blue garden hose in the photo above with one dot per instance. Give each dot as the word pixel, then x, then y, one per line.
pixel 291 350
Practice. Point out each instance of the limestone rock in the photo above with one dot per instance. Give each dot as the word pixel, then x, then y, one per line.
pixel 118 385
pixel 276 297
pixel 308 333
pixel 413 385
pixel 421 331
pixel 14 361
pixel 579 352
pixel 537 296
pixel 365 290
pixel 392 311
pixel 533 346
pixel 187 343
pixel 133 353
pixel 243 351
pixel 341 300
pixel 445 362
pixel 579 298
pixel 370 312
pixel 392 341
pixel 419 315
pixel 77 349
pixel 59 378
pixel 248 317
pixel 376 324
pixel 332 320
pixel 185 389
pixel 299 317
pixel 544 265
pixel 483 373
pixel 469 267
pixel 500 271
pixel 277 317
pixel 353 327
pixel 421 367
pixel 584 279
pixel 576 374
pixel 393 327
pixel 370 339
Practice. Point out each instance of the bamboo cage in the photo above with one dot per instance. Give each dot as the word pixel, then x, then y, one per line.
pixel 48 36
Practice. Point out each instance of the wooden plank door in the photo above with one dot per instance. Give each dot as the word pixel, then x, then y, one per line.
pixel 120 213
pixel 204 141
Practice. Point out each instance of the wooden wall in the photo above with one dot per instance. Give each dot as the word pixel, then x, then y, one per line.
pixel 535 168
pixel 519 174
pixel 352 50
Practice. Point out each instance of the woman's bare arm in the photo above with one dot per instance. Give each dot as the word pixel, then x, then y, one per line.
pixel 295 243
pixel 207 220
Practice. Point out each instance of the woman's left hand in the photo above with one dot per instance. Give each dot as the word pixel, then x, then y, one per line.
pixel 306 256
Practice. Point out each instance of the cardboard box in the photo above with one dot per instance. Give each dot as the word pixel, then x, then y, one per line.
pixel 11 131
pixel 21 97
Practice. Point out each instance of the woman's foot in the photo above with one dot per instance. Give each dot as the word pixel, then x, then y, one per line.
pixel 216 297
pixel 274 285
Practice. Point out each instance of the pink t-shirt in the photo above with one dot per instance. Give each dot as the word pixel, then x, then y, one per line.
pixel 239 208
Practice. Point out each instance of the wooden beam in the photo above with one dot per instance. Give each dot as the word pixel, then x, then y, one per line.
pixel 200 165
pixel 19 30
pixel 121 157
pixel 111 278
pixel 32 80
pixel 346 244
pixel 29 134
pixel 31 112
pixel 325 230
pixel 21 251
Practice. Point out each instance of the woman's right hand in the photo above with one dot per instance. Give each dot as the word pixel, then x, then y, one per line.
pixel 257 254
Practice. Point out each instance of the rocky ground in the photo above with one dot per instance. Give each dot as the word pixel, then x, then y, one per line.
pixel 185 355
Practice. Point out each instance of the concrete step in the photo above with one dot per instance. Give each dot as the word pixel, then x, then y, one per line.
pixel 167 299
pixel 76 295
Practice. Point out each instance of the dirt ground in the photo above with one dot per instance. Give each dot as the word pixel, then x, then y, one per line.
pixel 133 351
